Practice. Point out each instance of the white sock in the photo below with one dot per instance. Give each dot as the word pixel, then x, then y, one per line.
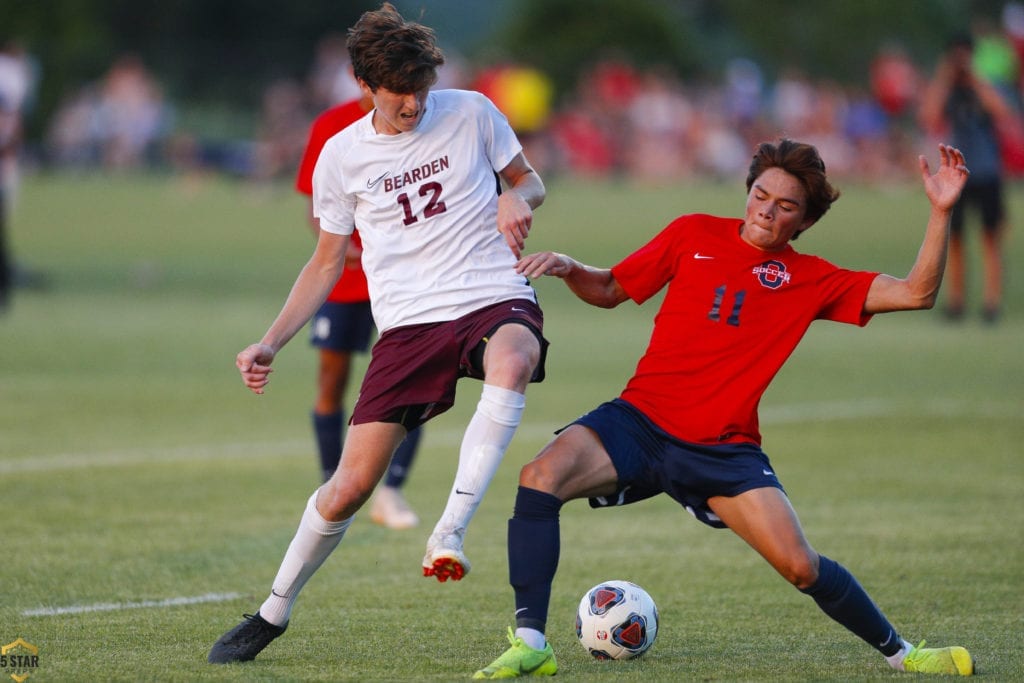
pixel 896 660
pixel 483 446
pixel 313 542
pixel 532 637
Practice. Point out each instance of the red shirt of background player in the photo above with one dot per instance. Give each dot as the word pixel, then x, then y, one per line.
pixel 351 287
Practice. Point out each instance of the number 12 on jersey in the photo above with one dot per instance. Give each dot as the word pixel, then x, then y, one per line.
pixel 434 204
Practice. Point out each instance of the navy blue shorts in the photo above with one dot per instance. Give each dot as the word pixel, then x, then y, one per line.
pixel 987 197
pixel 342 327
pixel 650 461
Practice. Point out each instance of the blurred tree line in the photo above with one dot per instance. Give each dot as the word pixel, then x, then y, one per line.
pixel 220 54
pixel 824 38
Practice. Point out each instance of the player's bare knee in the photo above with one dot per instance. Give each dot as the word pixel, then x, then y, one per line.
pixel 513 369
pixel 530 475
pixel 537 475
pixel 801 571
pixel 339 499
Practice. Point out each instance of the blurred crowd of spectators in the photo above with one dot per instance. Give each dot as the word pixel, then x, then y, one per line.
pixel 621 121
pixel 117 122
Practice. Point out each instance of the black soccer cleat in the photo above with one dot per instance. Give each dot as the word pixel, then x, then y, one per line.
pixel 245 641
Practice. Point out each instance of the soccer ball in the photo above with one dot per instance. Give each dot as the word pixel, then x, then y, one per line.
pixel 616 620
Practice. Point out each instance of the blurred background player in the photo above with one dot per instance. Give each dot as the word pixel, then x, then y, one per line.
pixel 17 84
pixel 972 109
pixel 343 326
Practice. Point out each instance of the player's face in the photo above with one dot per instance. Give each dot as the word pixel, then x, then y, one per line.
pixel 397 113
pixel 775 210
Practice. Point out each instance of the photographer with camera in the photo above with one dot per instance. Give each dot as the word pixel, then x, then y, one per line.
pixel 972 110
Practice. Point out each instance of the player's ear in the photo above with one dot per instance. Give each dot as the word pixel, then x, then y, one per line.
pixel 365 88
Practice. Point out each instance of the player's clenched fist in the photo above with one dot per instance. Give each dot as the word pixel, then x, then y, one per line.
pixel 254 365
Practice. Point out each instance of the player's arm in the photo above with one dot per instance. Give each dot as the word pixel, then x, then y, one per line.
pixel 993 101
pixel 931 112
pixel 524 192
pixel 596 286
pixel 920 288
pixel 311 287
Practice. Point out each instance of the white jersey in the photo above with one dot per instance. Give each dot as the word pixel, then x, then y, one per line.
pixel 426 203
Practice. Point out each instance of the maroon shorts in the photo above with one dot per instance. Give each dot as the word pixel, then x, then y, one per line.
pixel 414 368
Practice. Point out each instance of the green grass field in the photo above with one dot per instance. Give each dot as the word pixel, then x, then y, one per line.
pixel 147 497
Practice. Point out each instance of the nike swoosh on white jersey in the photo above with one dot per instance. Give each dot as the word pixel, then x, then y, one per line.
pixel 371 183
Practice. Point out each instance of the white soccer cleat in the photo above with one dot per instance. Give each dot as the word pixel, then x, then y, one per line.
pixel 445 559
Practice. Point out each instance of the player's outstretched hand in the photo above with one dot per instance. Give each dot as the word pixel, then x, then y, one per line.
pixel 944 187
pixel 254 365
pixel 544 263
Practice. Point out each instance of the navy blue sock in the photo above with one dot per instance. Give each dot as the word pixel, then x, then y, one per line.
pixel 401 461
pixel 328 430
pixel 533 548
pixel 840 596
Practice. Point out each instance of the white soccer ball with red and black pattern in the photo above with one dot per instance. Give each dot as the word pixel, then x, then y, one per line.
pixel 616 620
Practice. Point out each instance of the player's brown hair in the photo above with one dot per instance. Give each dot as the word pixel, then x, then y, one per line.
pixel 804 163
pixel 386 50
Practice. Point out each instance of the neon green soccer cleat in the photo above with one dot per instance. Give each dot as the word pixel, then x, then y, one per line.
pixel 939 660
pixel 520 660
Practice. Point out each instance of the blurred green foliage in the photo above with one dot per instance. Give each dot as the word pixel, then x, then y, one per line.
pixel 217 53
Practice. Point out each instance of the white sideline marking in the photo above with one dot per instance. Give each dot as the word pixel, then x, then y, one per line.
pixel 69 461
pixel 794 413
pixel 226 451
pixel 116 606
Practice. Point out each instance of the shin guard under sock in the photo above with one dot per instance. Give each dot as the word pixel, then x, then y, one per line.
pixel 487 436
pixel 314 541
pixel 841 597
pixel 533 549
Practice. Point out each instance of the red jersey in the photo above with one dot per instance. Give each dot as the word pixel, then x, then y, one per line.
pixel 351 287
pixel 731 317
